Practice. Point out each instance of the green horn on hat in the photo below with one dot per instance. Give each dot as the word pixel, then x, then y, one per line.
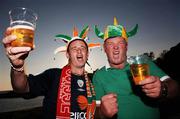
pixel 84 32
pixel 132 32
pixel 99 33
pixel 63 37
pixel 115 30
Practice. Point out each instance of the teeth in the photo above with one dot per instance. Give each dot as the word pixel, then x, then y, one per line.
pixel 116 52
pixel 79 57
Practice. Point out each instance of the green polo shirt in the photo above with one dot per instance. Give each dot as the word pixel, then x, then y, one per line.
pixel 132 102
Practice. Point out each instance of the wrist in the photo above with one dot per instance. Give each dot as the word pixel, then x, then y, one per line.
pixel 19 69
pixel 164 89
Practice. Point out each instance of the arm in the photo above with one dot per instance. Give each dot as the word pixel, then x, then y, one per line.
pixel 19 81
pixel 172 88
pixel 154 88
pixel 107 105
pixel 16 56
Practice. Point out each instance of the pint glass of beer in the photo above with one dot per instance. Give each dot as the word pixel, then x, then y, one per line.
pixel 23 24
pixel 139 67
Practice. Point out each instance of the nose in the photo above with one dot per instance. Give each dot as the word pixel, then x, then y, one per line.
pixel 116 47
pixel 79 50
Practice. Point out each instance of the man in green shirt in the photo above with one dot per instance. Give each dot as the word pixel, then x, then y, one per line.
pixel 116 93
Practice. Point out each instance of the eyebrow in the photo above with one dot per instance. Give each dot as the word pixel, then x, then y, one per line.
pixel 119 42
pixel 80 46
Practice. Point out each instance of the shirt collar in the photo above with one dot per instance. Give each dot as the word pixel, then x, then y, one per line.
pixel 107 66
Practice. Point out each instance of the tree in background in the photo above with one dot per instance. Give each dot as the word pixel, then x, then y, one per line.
pixel 150 55
pixel 169 61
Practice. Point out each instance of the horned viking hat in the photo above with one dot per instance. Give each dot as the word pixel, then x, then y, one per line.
pixel 115 30
pixel 67 39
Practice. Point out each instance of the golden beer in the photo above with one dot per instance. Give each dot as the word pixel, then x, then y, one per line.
pixel 24 34
pixel 139 72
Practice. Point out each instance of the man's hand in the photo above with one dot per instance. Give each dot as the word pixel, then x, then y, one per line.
pixel 16 55
pixel 151 86
pixel 109 105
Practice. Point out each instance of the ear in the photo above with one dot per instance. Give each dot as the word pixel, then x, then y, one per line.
pixel 67 55
pixel 104 47
pixel 126 45
pixel 87 54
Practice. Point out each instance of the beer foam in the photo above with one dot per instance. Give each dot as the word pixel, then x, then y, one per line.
pixel 23 26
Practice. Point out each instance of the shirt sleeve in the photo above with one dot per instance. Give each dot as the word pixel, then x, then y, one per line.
pixel 98 86
pixel 39 84
pixel 156 71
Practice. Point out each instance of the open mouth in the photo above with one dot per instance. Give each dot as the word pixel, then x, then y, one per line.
pixel 116 53
pixel 80 58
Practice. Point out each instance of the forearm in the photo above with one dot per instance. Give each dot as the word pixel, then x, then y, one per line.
pixel 99 114
pixel 19 81
pixel 173 88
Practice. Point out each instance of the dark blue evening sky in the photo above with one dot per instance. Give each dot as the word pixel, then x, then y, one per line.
pixel 159 27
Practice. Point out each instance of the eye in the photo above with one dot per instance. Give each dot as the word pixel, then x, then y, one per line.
pixel 73 49
pixel 122 43
pixel 83 48
pixel 109 44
